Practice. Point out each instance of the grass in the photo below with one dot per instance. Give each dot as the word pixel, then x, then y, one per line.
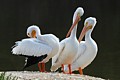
pixel 3 76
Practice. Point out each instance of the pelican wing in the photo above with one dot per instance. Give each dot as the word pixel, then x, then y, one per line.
pixel 31 47
pixel 61 48
pixel 31 60
pixel 81 50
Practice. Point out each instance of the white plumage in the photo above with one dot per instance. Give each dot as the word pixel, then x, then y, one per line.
pixel 43 44
pixel 31 47
pixel 87 49
pixel 68 46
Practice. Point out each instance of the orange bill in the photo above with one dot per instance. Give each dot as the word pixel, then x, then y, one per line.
pixel 84 30
pixel 73 25
pixel 33 34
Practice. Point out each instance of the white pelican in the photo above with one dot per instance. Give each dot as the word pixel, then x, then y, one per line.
pixel 68 46
pixel 38 47
pixel 87 49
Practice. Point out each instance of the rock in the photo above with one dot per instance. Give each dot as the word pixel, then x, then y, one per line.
pixel 35 75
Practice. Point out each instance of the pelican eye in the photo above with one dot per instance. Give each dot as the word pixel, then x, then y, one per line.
pixel 79 16
pixel 28 34
pixel 90 27
pixel 86 24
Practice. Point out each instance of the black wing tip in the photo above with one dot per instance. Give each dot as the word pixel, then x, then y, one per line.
pixel 31 60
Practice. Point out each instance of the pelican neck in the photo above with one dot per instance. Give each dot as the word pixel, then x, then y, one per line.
pixel 73 33
pixel 88 35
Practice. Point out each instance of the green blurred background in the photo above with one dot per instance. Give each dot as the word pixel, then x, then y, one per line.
pixel 55 16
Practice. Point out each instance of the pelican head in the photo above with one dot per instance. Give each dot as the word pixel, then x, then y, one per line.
pixel 89 24
pixel 78 13
pixel 33 31
pixel 76 18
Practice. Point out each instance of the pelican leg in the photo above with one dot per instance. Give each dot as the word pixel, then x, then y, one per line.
pixel 80 71
pixel 63 68
pixel 69 66
pixel 39 66
pixel 43 67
